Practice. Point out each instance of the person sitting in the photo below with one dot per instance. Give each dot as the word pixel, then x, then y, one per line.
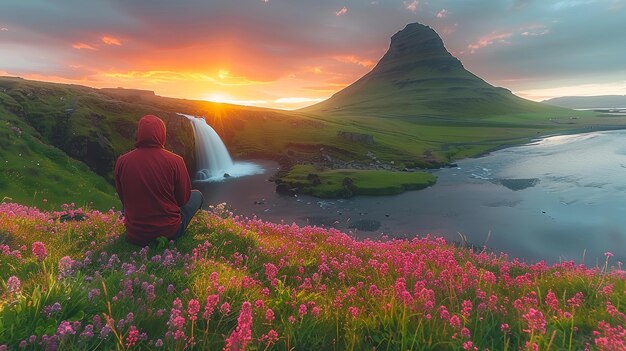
pixel 154 187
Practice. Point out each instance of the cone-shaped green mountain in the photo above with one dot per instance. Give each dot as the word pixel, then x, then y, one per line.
pixel 419 77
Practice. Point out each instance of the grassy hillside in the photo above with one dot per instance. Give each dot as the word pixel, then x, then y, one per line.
pixel 234 284
pixel 35 173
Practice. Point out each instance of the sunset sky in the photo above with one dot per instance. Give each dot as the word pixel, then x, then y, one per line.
pixel 292 53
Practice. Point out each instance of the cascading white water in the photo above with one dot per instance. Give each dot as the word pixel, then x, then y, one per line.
pixel 212 158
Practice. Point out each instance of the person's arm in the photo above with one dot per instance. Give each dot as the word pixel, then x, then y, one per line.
pixel 182 186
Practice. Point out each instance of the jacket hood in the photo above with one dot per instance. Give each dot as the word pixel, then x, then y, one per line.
pixel 150 132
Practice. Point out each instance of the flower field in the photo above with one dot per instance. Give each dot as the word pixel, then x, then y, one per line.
pixel 68 280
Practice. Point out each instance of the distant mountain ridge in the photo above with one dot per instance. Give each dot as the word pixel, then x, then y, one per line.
pixel 589 102
pixel 419 77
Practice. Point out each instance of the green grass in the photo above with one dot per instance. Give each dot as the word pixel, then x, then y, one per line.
pixel 362 182
pixel 34 173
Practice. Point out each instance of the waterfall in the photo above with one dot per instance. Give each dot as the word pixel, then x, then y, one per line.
pixel 212 158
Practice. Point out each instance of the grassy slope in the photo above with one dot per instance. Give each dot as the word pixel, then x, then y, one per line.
pixel 325 289
pixel 31 171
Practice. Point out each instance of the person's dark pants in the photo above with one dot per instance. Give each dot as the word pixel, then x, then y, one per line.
pixel 188 211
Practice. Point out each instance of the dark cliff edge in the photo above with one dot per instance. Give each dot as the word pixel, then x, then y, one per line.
pixel 181 139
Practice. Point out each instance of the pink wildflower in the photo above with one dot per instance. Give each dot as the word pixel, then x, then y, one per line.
pixel 315 311
pixel 133 336
pixel 374 291
pixel 242 334
pixel 259 304
pixel 354 311
pixel 468 345
pixel 65 328
pixel 225 308
pixel 536 321
pixel 609 338
pixel 466 333
pixel 443 313
pixel 87 332
pixel 531 346
pixel 607 290
pixel 39 250
pixel 178 322
pixel 614 312
pixel 269 315
pixel 552 301
pixel 270 272
pixel 66 266
pixel 577 300
pixel 467 308
pixel 302 310
pixel 193 307
pixel 271 337
pixel 211 303
pixel 14 285
pixel 455 322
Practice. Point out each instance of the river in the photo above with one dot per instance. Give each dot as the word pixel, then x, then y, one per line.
pixel 560 198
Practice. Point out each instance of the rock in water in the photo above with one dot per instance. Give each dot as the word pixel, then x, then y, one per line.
pixel 285 189
pixel 314 179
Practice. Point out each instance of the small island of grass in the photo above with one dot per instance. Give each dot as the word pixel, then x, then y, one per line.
pixel 337 183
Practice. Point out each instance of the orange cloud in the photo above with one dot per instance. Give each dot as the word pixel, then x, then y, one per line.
pixel 111 40
pixel 442 14
pixel 490 39
pixel 356 60
pixel 80 46
pixel 342 12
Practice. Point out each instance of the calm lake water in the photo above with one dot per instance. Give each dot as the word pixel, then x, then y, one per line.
pixel 561 198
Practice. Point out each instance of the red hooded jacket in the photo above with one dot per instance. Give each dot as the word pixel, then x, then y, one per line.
pixel 152 183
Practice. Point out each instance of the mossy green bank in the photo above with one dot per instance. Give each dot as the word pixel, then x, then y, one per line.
pixel 350 182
